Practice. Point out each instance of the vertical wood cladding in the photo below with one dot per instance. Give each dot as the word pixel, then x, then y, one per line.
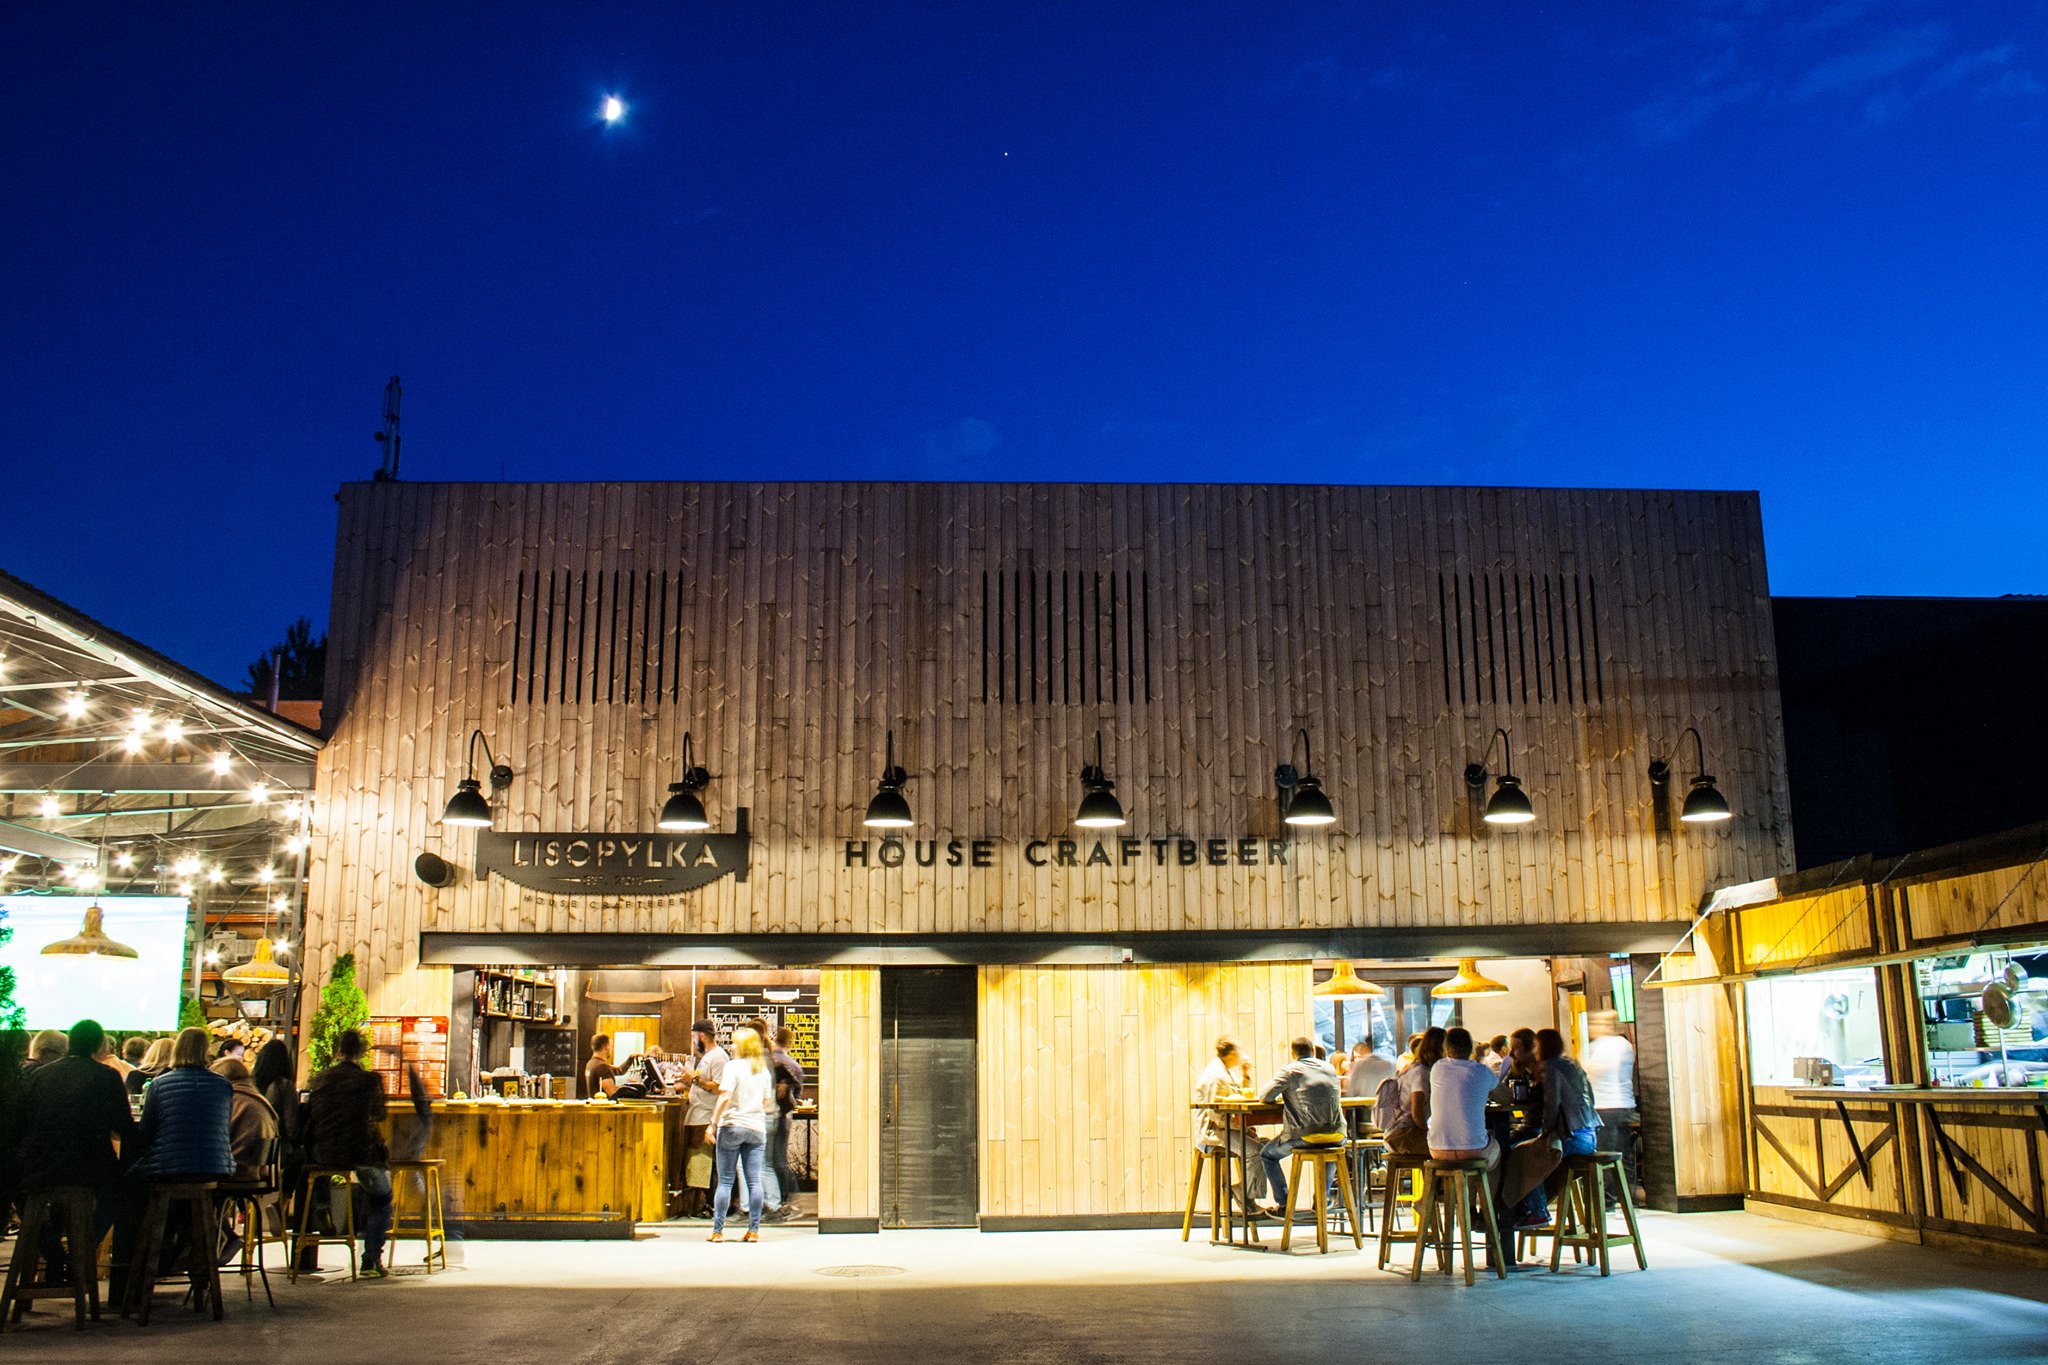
pixel 997 628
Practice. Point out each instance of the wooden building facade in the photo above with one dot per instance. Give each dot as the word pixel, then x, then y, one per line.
pixel 1940 1132
pixel 997 630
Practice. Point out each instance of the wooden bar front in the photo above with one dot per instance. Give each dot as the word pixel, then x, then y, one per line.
pixel 562 1161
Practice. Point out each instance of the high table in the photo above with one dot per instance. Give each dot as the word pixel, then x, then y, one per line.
pixel 1239 1117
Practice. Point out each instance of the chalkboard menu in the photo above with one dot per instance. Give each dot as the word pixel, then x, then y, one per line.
pixel 792 1007
pixel 551 1051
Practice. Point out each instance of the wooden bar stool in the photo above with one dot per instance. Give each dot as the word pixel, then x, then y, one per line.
pixel 1214 1164
pixel 1396 1167
pixel 1582 1220
pixel 75 1205
pixel 1449 1189
pixel 431 1224
pixel 1322 1158
pixel 321 1180
pixel 202 1247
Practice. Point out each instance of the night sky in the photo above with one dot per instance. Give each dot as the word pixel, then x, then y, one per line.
pixel 1798 248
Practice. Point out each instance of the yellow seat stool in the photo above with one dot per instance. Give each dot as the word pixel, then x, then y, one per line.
pixel 1321 1159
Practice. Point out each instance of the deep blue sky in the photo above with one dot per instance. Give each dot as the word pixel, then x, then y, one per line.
pixel 1797 248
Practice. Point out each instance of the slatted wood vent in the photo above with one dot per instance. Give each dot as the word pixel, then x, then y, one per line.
pixel 598 636
pixel 1520 639
pixel 1066 637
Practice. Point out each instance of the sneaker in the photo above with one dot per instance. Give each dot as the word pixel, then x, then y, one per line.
pixel 1534 1223
pixel 716 1237
pixel 751 1236
pixel 230 1249
pixel 374 1271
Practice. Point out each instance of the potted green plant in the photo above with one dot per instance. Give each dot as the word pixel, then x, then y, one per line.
pixel 342 1007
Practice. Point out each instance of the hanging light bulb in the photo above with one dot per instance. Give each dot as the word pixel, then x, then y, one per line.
pixel 48 807
pixel 185 889
pixel 125 860
pixel 295 845
pixel 266 874
pixel 173 731
pixel 139 721
pixel 215 875
pixel 222 762
pixel 280 904
pixel 132 744
pixel 294 811
pixel 259 792
pixel 187 866
pixel 74 706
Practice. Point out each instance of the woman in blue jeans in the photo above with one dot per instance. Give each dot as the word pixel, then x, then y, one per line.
pixel 739 1127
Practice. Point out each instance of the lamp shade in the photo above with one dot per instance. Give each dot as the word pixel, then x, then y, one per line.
pixel 467 806
pixel 1468 981
pixel 90 941
pixel 260 973
pixel 1310 806
pixel 1099 808
pixel 682 811
pixel 1345 982
pixel 1509 804
pixel 888 809
pixel 1704 804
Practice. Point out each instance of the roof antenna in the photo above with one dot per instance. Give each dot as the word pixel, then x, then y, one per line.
pixel 388 438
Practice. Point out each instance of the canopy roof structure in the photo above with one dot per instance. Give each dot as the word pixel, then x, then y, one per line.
pixel 123 770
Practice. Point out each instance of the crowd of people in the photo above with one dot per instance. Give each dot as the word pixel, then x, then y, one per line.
pixel 1433 1101
pixel 183 1109
pixel 736 1123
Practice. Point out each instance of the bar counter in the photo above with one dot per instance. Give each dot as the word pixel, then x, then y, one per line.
pixel 534 1166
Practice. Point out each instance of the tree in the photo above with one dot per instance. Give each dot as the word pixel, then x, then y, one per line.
pixel 191 1014
pixel 11 1013
pixel 343 1006
pixel 301 665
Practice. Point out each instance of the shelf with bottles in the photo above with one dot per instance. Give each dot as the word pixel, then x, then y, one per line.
pixel 518 995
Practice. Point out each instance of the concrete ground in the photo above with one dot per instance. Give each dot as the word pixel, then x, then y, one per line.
pixel 1733 1287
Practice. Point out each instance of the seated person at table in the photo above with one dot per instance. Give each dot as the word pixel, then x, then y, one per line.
pixel 1521 1086
pixel 1224 1078
pixel 1308 1092
pixel 1402 1109
pixel 1458 1091
pixel 1569 1118
pixel 1368 1069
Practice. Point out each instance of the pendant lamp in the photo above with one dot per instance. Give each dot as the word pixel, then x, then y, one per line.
pixel 261 972
pixel 887 809
pixel 1345 982
pixel 90 941
pixel 684 811
pixel 1468 981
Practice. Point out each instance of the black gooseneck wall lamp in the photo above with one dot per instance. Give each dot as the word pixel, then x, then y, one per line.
pixel 469 806
pixel 1704 804
pixel 684 810
pixel 1099 807
pixel 1509 804
pixel 1302 801
pixel 888 809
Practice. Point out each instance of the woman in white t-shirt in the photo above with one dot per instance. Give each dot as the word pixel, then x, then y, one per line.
pixel 739 1131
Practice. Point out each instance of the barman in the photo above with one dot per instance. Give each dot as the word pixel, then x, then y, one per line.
pixel 600 1077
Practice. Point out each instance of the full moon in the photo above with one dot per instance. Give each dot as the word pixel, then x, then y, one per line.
pixel 614 108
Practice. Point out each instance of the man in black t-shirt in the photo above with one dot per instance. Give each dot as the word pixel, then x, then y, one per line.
pixel 600 1077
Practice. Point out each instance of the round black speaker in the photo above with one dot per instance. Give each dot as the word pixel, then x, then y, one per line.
pixel 433 869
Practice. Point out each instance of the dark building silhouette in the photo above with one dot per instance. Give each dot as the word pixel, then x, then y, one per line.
pixel 1912 722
